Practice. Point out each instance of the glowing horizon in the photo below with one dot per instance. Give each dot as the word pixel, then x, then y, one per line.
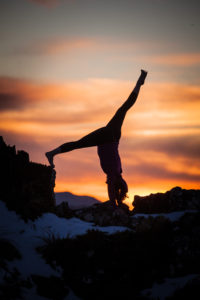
pixel 66 74
pixel 147 148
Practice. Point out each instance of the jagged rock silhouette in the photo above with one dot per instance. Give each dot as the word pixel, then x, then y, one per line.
pixel 174 200
pixel 26 187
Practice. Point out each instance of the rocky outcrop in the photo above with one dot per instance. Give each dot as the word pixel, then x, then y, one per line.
pixel 103 214
pixel 26 187
pixel 122 265
pixel 64 211
pixel 174 200
pixel 189 291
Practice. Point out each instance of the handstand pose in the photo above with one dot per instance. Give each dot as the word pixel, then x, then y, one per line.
pixel 107 141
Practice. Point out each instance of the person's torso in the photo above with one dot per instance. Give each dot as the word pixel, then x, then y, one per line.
pixel 109 158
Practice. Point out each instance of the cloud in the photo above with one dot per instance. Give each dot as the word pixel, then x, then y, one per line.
pixel 17 94
pixel 58 46
pixel 154 171
pixel 161 161
pixel 180 146
pixel 11 102
pixel 179 59
pixel 176 92
pixel 168 59
pixel 161 108
pixel 174 146
pixel 78 45
pixel 67 98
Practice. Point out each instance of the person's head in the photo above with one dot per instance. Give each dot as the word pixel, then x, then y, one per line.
pixel 121 189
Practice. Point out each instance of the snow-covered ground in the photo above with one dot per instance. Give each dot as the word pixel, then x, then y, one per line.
pixel 168 287
pixel 173 216
pixel 27 236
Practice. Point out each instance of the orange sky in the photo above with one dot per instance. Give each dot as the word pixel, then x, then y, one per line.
pixel 66 67
pixel 160 141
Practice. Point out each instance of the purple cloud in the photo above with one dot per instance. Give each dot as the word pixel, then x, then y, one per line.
pixel 155 172
pixel 9 101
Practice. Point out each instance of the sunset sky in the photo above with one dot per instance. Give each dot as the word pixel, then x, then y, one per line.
pixel 65 68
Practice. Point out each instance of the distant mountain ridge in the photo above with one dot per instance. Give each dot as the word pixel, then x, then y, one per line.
pixel 75 201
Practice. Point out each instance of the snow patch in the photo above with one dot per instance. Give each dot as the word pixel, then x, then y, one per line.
pixel 27 236
pixel 173 216
pixel 167 288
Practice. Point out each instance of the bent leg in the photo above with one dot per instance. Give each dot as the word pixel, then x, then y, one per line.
pixel 116 122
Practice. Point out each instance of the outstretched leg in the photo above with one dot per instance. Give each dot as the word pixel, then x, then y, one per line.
pixel 97 137
pixel 116 122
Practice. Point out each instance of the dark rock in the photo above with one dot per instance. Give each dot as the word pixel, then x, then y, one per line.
pixel 23 156
pixel 174 200
pixel 51 288
pixel 26 187
pixel 8 251
pixel 63 211
pixel 103 214
pixel 156 225
pixel 11 287
pixel 189 291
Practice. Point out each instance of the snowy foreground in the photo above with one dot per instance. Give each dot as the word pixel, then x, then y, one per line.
pixel 27 236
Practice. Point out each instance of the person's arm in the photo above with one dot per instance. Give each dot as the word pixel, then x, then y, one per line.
pixel 112 192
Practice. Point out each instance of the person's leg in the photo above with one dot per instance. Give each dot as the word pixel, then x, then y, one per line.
pixel 97 137
pixel 116 122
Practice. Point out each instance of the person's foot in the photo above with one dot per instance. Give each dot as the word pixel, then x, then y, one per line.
pixel 142 76
pixel 50 159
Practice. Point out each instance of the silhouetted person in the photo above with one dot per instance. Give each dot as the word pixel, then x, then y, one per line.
pixel 107 141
